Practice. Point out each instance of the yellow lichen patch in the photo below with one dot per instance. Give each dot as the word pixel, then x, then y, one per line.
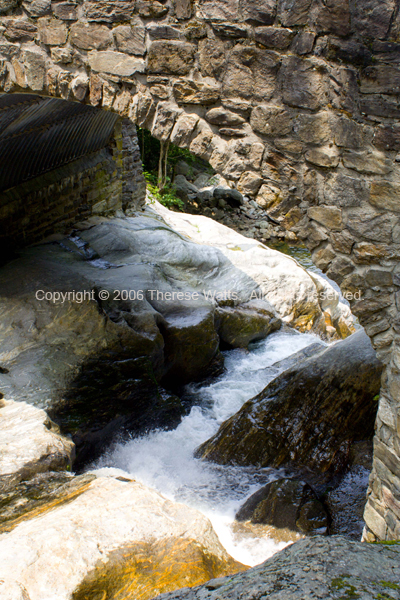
pixel 146 569
pixel 234 248
pixel 344 329
pixel 65 496
pixel 304 323
pixel 328 319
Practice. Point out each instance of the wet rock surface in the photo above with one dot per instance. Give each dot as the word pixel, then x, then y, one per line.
pixel 309 416
pixel 346 501
pixel 318 567
pixel 238 326
pixel 286 504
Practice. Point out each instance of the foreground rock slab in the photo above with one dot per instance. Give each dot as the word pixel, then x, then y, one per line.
pixel 318 567
pixel 309 416
pixel 111 534
pixel 30 443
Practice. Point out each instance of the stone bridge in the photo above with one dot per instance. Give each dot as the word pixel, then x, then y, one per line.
pixel 295 101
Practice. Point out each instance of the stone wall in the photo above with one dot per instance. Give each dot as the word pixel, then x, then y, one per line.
pixel 97 184
pixel 294 101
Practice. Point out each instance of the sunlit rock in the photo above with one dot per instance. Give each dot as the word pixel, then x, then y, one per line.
pixel 112 535
pixel 31 443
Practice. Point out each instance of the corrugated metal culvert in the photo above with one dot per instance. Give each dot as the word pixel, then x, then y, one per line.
pixel 39 134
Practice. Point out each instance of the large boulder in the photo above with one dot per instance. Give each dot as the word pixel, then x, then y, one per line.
pixel 286 504
pixel 105 537
pixel 230 195
pixel 309 416
pixel 321 567
pixel 184 188
pixel 301 299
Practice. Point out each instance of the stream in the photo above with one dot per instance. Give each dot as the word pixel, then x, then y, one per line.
pixel 164 460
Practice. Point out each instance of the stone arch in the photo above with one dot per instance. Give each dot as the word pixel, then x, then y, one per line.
pixel 296 102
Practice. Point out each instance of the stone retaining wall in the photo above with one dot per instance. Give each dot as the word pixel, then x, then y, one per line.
pixel 97 184
pixel 295 101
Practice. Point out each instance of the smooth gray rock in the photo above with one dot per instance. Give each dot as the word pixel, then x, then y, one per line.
pixel 184 188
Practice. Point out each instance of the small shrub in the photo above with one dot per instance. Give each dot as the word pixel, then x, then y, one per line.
pixel 167 196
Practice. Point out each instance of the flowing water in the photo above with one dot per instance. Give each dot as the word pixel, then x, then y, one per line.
pixel 164 459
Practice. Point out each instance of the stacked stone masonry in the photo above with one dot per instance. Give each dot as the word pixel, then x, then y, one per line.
pixel 97 184
pixel 295 101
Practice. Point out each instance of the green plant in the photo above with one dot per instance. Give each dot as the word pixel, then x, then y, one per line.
pixel 161 157
pixel 167 196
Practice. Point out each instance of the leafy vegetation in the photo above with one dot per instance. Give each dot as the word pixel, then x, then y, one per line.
pixel 159 160
pixel 167 196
